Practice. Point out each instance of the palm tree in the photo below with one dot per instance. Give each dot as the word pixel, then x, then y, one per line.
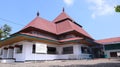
pixel 5 31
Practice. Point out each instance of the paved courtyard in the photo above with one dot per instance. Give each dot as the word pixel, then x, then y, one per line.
pixel 67 63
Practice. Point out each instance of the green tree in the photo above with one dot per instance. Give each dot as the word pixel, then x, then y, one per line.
pixel 117 8
pixel 5 31
pixel 0 34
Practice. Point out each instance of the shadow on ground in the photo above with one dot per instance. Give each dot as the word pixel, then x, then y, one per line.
pixel 95 65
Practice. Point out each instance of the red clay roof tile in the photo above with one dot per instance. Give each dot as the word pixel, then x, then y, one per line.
pixel 63 27
pixel 57 28
pixel 79 29
pixel 43 24
pixel 62 16
pixel 109 40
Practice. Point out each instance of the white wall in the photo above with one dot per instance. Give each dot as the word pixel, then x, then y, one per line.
pixel 20 56
pixel 34 56
pixel 77 54
pixel 31 56
pixel 107 52
pixel 28 55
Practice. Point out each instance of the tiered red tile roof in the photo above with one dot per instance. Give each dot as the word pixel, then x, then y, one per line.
pixel 61 24
pixel 55 31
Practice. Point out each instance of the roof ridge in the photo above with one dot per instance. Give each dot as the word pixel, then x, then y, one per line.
pixel 108 38
pixel 63 15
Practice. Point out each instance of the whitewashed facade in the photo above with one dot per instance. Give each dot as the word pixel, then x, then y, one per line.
pixel 27 55
pixel 113 51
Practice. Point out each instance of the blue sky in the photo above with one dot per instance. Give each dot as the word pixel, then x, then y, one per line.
pixel 97 17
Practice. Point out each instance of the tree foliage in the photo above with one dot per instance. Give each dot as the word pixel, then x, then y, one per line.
pixel 5 31
pixel 117 8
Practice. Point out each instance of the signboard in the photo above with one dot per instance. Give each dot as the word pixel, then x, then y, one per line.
pixel 41 48
pixel 118 54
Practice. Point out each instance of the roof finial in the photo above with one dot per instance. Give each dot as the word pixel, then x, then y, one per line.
pixel 63 9
pixel 38 13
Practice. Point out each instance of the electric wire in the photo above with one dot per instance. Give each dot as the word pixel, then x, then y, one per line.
pixel 11 22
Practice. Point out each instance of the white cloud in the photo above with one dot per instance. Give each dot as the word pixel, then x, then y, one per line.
pixel 101 7
pixel 68 2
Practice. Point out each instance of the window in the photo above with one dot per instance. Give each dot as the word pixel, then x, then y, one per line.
pixel 68 50
pixel 70 36
pixel 19 49
pixel 112 46
pixel 33 48
pixel 85 50
pixel 113 54
pixel 51 50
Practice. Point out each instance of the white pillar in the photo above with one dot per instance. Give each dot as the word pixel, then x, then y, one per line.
pixel 77 49
pixel 59 50
pixel 14 52
pixel 5 53
pixel 0 50
pixel 10 52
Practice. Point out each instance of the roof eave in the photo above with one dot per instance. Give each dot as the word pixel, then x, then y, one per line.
pixel 25 37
